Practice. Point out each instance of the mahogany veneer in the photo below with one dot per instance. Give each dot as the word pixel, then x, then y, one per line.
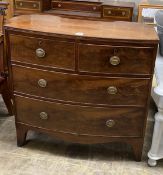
pixel 80 80
pixel 83 88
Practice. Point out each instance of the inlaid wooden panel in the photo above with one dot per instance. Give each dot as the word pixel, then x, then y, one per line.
pixel 60 54
pixel 117 12
pixel 76 6
pixel 132 60
pixel 79 119
pixel 28 5
pixel 81 89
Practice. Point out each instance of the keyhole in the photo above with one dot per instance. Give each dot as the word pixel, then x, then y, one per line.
pixel 40 43
pixel 115 51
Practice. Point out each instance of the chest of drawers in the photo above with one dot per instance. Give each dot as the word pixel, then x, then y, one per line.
pixel 93 9
pixel 80 80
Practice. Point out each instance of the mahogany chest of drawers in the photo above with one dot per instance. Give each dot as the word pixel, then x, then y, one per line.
pixel 93 9
pixel 80 80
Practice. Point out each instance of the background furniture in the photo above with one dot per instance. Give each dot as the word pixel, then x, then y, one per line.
pixel 148 4
pixel 4 89
pixel 71 81
pixel 156 151
pixel 88 9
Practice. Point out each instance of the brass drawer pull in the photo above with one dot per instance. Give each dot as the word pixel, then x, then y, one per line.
pixel 42 83
pixel 94 8
pixel 21 4
pixel 112 90
pixel 59 5
pixel 114 60
pixel 109 12
pixel 43 116
pixel 40 53
pixel 34 5
pixel 110 123
pixel 123 13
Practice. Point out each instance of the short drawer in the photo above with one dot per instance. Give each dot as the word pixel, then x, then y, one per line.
pixel 76 6
pixel 45 52
pixel 117 12
pixel 81 89
pixel 80 119
pixel 28 5
pixel 115 59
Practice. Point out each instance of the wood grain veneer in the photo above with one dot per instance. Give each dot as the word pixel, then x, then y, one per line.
pixel 80 120
pixel 96 58
pixel 81 89
pixel 71 27
pixel 59 53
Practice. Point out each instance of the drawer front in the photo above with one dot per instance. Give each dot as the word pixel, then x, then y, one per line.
pixel 79 119
pixel 81 89
pixel 28 5
pixel 116 12
pixel 76 6
pixel 115 59
pixel 52 53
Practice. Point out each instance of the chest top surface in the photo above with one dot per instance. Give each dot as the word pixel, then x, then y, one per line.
pixel 86 28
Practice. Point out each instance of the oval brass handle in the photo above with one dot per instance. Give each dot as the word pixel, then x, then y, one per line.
pixel 114 60
pixel 94 8
pixel 43 116
pixel 21 4
pixel 110 123
pixel 42 83
pixel 123 13
pixel 40 53
pixel 59 5
pixel 109 12
pixel 112 90
pixel 34 5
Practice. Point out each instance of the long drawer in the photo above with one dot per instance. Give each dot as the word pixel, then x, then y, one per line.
pixel 80 119
pixel 45 52
pixel 77 6
pixel 115 59
pixel 81 88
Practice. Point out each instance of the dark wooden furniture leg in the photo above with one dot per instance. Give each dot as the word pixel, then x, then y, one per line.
pixel 137 146
pixel 21 134
pixel 7 98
